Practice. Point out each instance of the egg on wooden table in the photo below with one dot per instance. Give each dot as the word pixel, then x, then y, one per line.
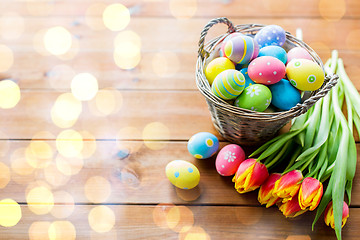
pixel 266 70
pixel 228 84
pixel 274 51
pixel 241 49
pixel 284 95
pixel 304 74
pixel 256 97
pixel 229 159
pixel 216 66
pixel 203 145
pixel 270 35
pixel 298 53
pixel 182 174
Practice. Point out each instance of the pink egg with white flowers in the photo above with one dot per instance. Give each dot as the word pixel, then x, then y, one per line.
pixel 266 70
pixel 228 159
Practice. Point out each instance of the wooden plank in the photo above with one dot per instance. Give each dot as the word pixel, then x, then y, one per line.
pixel 175 222
pixel 201 8
pixel 119 172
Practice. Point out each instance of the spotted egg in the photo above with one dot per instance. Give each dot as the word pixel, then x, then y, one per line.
pixel 284 95
pixel 182 174
pixel 203 145
pixel 270 35
pixel 298 53
pixel 241 49
pixel 222 48
pixel 304 74
pixel 266 70
pixel 216 66
pixel 228 84
pixel 229 159
pixel 274 51
pixel 248 80
pixel 256 97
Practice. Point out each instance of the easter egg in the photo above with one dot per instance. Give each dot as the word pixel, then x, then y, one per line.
pixel 229 159
pixel 305 74
pixel 248 80
pixel 298 53
pixel 266 70
pixel 241 49
pixel 274 51
pixel 232 35
pixel 216 66
pixel 256 97
pixel 203 145
pixel 182 174
pixel 228 84
pixel 270 35
pixel 284 95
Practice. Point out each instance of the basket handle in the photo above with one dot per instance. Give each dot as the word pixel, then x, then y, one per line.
pixel 231 29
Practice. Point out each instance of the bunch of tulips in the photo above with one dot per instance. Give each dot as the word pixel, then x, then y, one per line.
pixel 319 150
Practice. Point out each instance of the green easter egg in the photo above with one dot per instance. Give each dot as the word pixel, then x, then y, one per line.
pixel 256 97
pixel 228 84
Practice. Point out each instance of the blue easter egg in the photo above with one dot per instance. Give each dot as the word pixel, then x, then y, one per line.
pixel 284 95
pixel 274 51
pixel 203 145
pixel 248 81
pixel 270 35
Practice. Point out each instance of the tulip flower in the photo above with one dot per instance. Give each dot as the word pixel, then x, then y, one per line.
pixel 265 195
pixel 250 175
pixel 291 208
pixel 288 185
pixel 329 215
pixel 310 193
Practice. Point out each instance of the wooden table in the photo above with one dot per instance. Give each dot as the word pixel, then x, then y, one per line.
pixel 94 169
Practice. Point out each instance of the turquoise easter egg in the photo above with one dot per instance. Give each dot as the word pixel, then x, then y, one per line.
pixel 274 51
pixel 182 174
pixel 256 97
pixel 228 84
pixel 203 145
pixel 284 95
pixel 248 80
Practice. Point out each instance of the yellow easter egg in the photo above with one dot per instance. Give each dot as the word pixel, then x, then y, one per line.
pixel 216 66
pixel 305 74
pixel 182 174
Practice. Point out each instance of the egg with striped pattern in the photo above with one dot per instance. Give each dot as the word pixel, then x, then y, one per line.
pixel 182 174
pixel 228 84
pixel 241 49
pixel 203 145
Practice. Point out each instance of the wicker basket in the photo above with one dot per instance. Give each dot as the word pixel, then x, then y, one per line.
pixel 244 126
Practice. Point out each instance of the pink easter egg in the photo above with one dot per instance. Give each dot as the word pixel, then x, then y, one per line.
pixel 298 53
pixel 228 159
pixel 266 70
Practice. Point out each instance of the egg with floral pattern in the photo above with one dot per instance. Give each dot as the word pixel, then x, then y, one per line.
pixel 203 145
pixel 229 159
pixel 182 174
pixel 256 97
pixel 271 35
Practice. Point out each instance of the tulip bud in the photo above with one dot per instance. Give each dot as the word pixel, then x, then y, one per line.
pixel 329 215
pixel 265 195
pixel 291 208
pixel 310 193
pixel 288 185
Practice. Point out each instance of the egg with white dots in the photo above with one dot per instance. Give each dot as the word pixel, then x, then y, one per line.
pixel 182 174
pixel 203 145
pixel 271 35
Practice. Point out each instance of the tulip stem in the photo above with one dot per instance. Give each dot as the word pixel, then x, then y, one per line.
pixel 279 155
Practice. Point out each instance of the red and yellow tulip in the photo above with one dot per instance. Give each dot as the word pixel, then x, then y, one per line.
pixel 288 185
pixel 310 193
pixel 291 208
pixel 265 195
pixel 329 215
pixel 250 175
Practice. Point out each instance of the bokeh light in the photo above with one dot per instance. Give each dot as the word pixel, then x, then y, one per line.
pixel 40 200
pixel 183 9
pixel 39 230
pixel 69 166
pixel 194 233
pixel 5 175
pixel 91 16
pixel 84 86
pixel 62 230
pixel 127 55
pixel 107 101
pixel 69 143
pixel 156 131
pixel 60 76
pixel 9 93
pixel 57 40
pixel 38 42
pixel 180 219
pixel 8 58
pixel 332 10
pixel 101 219
pixel 97 189
pixel 165 64
pixel 54 176
pixel 39 154
pixel 66 110
pixel 11 25
pixel 159 214
pixel 19 163
pixel 89 144
pixel 10 213
pixel 65 205
pixel 127 36
pixel 116 17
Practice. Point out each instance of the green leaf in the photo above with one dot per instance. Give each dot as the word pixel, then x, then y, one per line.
pixel 320 161
pixel 352 159
pixel 304 161
pixel 348 188
pixel 313 124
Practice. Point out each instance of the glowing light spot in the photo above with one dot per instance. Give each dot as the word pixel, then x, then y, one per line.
pixel 97 189
pixel 65 205
pixel 62 230
pixel 127 36
pixel 8 58
pixel 89 144
pixel 60 76
pixel 165 64
pixel 9 93
pixel 11 25
pixel 69 143
pixel 39 154
pixel 10 213
pixel 39 230
pixel 183 9
pixel 84 86
pixel 91 14
pixel 40 200
pixel 106 102
pixel 352 40
pixel 54 176
pixel 57 40
pixel 69 166
pixel 156 131
pixel 298 237
pixel 159 214
pixel 116 17
pixel 180 219
pixel 332 10
pixel 194 233
pixel 66 110
pixel 4 176
pixel 101 219
pixel 38 42
pixel 127 55
pixel 19 163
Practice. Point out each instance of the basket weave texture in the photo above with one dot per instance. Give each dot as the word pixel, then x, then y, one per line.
pixel 243 126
